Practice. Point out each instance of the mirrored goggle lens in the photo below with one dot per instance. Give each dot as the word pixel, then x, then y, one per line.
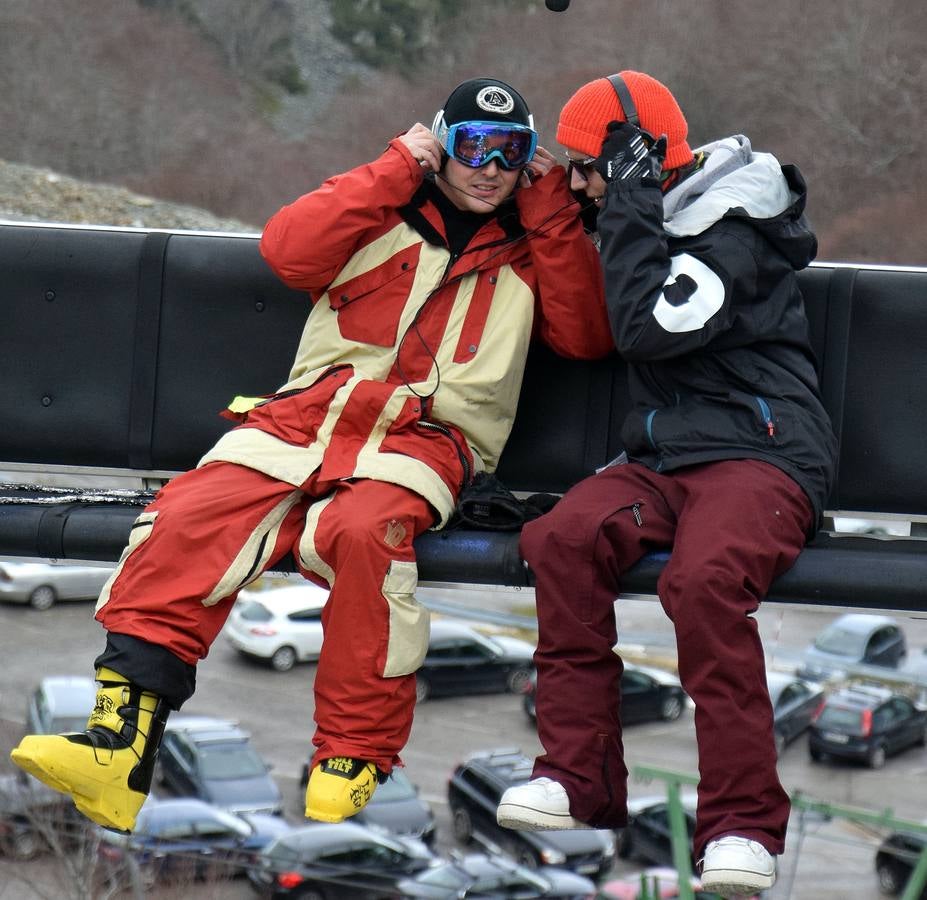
pixel 476 143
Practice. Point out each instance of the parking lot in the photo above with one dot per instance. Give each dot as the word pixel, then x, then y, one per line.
pixel 825 859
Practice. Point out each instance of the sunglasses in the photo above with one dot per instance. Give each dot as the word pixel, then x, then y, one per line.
pixel 582 167
pixel 476 143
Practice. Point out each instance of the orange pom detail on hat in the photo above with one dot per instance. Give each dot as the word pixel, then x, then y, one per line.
pixel 585 116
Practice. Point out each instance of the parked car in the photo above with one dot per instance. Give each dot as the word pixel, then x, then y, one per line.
pixel 647 694
pixel 478 875
pixel 473 793
pixel 854 639
pixel 647 837
pixel 663 879
pixel 60 703
pixel 43 584
pixel 794 702
pixel 186 838
pixel 214 760
pixel 282 626
pixel 331 862
pixel 896 859
pixel 866 724
pixel 34 818
pixel 396 807
pixel 461 660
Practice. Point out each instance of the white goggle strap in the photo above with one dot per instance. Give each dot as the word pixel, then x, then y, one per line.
pixel 439 128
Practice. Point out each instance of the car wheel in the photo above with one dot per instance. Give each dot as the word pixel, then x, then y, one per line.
pixel 43 597
pixel 149 873
pixel 779 740
pixel 284 659
pixel 24 844
pixel 422 688
pixel 625 847
pixel 891 881
pixel 462 824
pixel 524 857
pixel 671 708
pixel 518 681
pixel 815 754
pixel 877 757
pixel 529 708
pixel 310 894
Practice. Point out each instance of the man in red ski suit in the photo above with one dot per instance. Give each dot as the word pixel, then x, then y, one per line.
pixel 430 269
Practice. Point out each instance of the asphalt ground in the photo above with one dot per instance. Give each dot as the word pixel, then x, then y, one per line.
pixel 825 860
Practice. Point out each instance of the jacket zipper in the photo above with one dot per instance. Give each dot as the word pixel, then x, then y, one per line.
pixel 766 415
pixel 443 429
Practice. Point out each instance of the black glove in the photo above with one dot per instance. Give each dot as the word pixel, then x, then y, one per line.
pixel 488 504
pixel 630 152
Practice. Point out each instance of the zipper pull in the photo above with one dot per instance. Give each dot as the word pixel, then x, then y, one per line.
pixel 636 512
pixel 770 428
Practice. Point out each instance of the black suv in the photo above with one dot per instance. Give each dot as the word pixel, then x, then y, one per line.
pixel 473 793
pixel 867 724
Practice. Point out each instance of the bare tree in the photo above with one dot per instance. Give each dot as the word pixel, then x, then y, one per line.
pixel 165 104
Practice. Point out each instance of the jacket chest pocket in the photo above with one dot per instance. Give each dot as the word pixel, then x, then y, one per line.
pixel 370 306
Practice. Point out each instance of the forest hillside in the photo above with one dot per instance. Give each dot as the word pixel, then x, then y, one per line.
pixel 239 106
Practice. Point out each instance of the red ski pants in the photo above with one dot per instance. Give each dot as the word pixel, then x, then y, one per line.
pixel 212 530
pixel 733 527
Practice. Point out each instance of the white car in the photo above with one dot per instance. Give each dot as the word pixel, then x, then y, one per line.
pixel 42 584
pixel 282 625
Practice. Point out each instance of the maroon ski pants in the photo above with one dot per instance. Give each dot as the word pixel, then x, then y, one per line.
pixel 733 527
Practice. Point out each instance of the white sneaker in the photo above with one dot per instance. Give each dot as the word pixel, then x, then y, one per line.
pixel 537 805
pixel 736 865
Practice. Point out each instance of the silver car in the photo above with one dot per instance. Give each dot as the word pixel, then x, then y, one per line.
pixel 854 642
pixel 42 584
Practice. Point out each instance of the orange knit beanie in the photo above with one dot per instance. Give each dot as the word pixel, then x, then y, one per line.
pixel 584 118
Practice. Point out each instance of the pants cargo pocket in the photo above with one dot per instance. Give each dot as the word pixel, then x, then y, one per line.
pixel 407 643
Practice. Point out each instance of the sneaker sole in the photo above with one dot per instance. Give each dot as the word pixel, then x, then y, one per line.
pixel 525 818
pixel 735 882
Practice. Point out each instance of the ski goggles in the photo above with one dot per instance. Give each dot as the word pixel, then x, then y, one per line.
pixel 476 143
pixel 582 167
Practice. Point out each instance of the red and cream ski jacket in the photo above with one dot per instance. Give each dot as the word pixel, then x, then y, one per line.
pixel 411 360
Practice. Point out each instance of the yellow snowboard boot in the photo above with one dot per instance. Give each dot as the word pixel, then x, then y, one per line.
pixel 106 769
pixel 340 787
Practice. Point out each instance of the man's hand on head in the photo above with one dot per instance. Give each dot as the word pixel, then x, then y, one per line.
pixel 541 163
pixel 424 146
pixel 630 152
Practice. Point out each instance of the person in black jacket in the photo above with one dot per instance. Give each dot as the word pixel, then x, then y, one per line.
pixel 729 458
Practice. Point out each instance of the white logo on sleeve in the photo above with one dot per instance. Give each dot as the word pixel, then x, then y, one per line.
pixel 692 294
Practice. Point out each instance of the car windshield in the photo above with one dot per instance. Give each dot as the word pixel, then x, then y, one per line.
pixel 448 876
pixel 396 787
pixel 226 761
pixel 68 723
pixel 841 641
pixel 286 850
pixel 180 823
pixel 252 611
pixel 839 718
